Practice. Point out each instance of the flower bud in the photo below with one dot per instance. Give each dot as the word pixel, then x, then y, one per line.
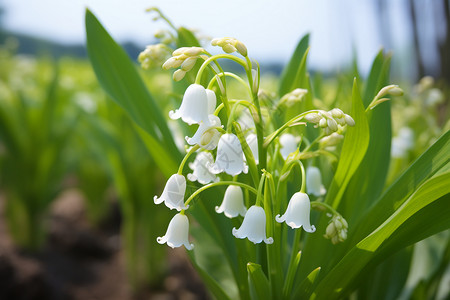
pixel 331 140
pixel 313 118
pixel 178 75
pixel 349 120
pixel 336 113
pixel 193 51
pixel 332 124
pixel 323 123
pixel 240 47
pixel 229 48
pixel 188 63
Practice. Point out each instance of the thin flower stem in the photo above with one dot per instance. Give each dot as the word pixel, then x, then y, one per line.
pixel 260 189
pixel 243 185
pixel 321 206
pixel 273 251
pixel 234 108
pixel 274 134
pixel 183 162
pixel 248 154
pixel 232 75
pixel 214 58
pixel 302 168
pixel 259 126
pixel 292 264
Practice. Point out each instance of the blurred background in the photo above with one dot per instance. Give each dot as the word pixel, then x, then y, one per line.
pixel 77 220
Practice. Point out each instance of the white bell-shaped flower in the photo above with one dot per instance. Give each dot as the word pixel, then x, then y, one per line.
pixel 200 169
pixel 297 213
pixel 212 101
pixel 230 157
pixel 173 193
pixel 233 202
pixel 314 182
pixel 289 144
pixel 252 142
pixel 194 106
pixel 254 226
pixel 177 233
pixel 206 135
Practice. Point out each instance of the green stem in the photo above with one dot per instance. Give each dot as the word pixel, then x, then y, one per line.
pixel 243 185
pixel 259 126
pixel 248 154
pixel 293 263
pixel 274 134
pixel 233 111
pixel 232 75
pixel 260 189
pixel 183 162
pixel 321 206
pixel 214 58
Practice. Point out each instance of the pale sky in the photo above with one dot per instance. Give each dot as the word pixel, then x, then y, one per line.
pixel 270 29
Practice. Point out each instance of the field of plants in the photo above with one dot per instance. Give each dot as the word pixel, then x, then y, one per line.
pixel 191 173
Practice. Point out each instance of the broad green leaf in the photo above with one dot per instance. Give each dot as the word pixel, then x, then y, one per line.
pixel 305 288
pixel 353 150
pixel 186 38
pixel 375 78
pixel 433 160
pixel 212 284
pixel 295 70
pixel 120 79
pixel 259 284
pixel 423 214
pixel 369 180
pixel 317 249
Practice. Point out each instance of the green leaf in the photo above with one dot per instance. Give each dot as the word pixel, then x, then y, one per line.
pixel 212 284
pixel 435 159
pixel 353 150
pixel 186 38
pixel 119 78
pixel 259 284
pixel 294 72
pixel 423 214
pixel 305 288
pixel 369 180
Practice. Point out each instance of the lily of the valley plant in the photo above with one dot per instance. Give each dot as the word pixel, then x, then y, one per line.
pixel 276 196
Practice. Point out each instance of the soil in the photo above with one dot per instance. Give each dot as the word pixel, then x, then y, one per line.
pixel 79 262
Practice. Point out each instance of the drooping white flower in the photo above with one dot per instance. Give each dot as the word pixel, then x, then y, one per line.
pixel 314 182
pixel 194 106
pixel 297 213
pixel 230 157
pixel 206 135
pixel 252 142
pixel 173 193
pixel 200 169
pixel 177 233
pixel 254 226
pixel 212 101
pixel 289 144
pixel 233 202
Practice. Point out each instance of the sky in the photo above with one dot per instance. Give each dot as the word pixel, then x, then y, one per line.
pixel 270 29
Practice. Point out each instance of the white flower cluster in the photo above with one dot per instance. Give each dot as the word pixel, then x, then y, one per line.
pixel 153 56
pixel 198 107
pixel 230 45
pixel 330 121
pixel 337 229
pixel 183 58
